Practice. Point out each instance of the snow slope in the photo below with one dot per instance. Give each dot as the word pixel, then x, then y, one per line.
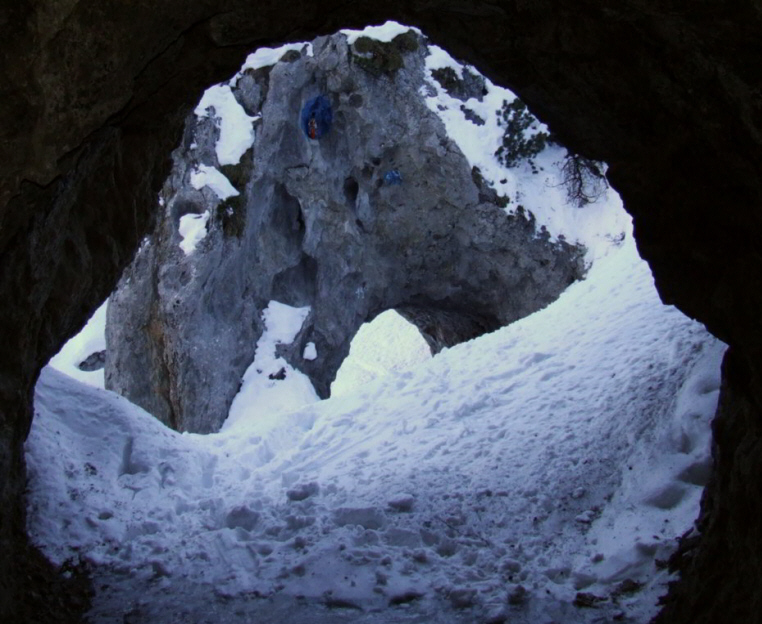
pixel 537 187
pixel 388 344
pixel 90 340
pixel 563 453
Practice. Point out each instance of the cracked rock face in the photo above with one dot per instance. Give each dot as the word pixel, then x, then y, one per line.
pixel 380 211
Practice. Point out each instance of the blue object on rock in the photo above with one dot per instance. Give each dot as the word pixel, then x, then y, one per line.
pixel 316 117
pixel 393 177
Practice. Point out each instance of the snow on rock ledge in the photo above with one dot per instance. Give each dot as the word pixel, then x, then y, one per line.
pixel 193 230
pixel 211 177
pixel 236 132
pixel 270 385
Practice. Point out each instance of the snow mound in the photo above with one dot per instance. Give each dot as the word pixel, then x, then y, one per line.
pixel 91 339
pixel 386 345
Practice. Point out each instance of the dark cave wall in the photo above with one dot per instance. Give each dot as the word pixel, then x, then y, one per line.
pixel 667 92
pixel 721 571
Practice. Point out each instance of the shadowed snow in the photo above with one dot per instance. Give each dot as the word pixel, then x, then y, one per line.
pixel 562 453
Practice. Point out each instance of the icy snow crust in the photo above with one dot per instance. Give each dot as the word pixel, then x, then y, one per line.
pixel 562 453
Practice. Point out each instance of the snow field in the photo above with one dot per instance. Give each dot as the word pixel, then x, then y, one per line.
pixel 563 453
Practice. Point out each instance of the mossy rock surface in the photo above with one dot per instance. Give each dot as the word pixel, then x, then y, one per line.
pixel 239 174
pixel 447 77
pixel 291 56
pixel 380 58
pixel 462 86
pixel 522 139
pixel 406 42
pixel 231 212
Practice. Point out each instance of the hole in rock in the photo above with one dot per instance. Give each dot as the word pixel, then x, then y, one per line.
pixel 351 188
pixel 528 461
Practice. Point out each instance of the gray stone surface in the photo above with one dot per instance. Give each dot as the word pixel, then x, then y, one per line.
pixel 317 225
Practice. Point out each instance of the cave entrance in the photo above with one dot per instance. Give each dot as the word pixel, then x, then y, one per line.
pixel 558 457
pixel 443 327
pixel 453 472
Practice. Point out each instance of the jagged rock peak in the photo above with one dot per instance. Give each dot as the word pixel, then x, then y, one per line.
pixel 321 180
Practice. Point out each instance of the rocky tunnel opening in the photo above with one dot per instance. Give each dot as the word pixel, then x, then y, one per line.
pixel 442 327
pixel 655 144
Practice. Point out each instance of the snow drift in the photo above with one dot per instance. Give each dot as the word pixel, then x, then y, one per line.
pixel 562 454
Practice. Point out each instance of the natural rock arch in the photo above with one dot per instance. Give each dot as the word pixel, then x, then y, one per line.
pixel 380 211
pixel 95 98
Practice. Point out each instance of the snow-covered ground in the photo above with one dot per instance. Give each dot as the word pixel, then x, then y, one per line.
pixel 563 453
pixel 388 344
pixel 553 461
